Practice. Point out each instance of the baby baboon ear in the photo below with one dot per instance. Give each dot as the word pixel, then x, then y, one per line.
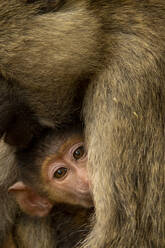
pixel 30 201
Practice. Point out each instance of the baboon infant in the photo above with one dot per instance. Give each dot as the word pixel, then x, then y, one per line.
pixel 53 171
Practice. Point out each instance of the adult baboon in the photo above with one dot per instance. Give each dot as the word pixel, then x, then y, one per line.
pixel 104 59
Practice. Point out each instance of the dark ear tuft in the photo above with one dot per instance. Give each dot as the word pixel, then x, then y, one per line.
pixel 21 129
pixel 17 122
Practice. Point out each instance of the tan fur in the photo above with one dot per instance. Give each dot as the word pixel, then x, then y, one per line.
pixel 64 228
pixel 31 232
pixel 118 48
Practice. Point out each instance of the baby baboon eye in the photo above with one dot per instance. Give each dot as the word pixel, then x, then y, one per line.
pixel 60 173
pixel 79 152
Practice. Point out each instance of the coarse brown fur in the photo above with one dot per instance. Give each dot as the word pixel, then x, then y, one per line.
pixel 114 52
pixel 10 243
pixel 65 227
pixel 8 175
